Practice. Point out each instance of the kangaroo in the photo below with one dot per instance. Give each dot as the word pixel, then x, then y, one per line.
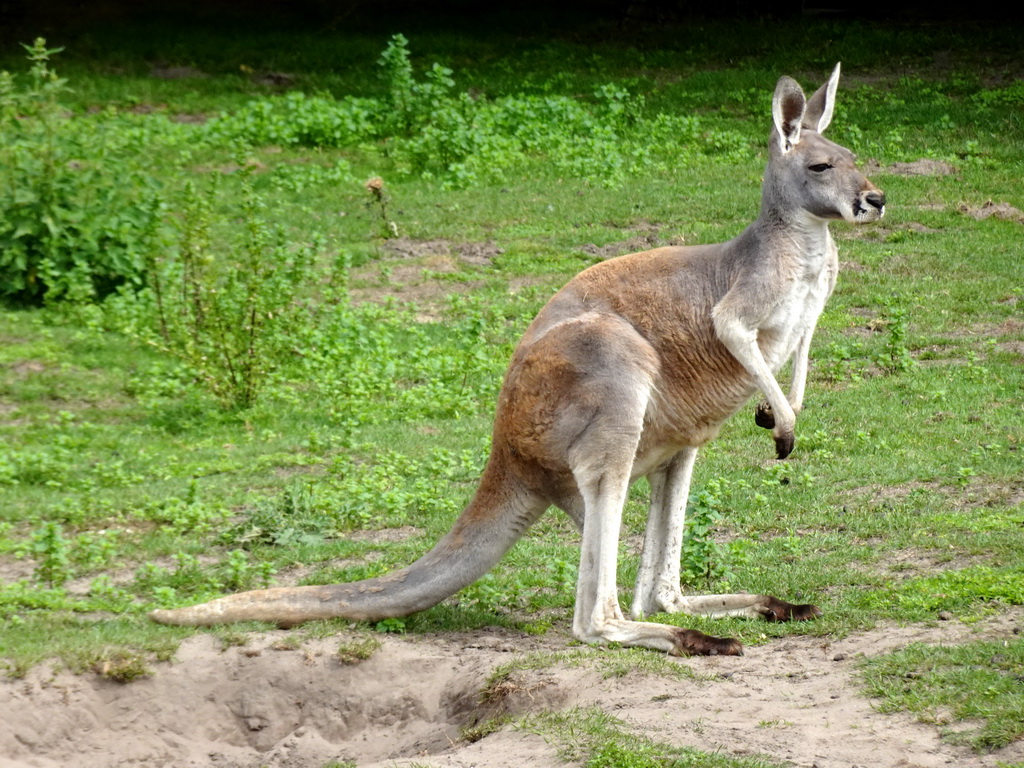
pixel 626 372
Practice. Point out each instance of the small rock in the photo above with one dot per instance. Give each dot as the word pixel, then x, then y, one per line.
pixel 839 657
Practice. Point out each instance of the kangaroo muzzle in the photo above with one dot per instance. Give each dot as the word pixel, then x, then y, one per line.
pixel 870 205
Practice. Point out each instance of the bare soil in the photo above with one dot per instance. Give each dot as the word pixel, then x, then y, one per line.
pixel 411 269
pixel 989 209
pixel 795 700
pixel 922 167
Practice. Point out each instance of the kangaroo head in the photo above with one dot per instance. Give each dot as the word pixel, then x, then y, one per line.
pixel 807 172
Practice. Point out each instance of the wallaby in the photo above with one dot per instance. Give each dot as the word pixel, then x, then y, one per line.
pixel 626 372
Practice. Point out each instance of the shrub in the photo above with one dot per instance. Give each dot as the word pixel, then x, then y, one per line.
pixel 296 119
pixel 228 314
pixel 77 215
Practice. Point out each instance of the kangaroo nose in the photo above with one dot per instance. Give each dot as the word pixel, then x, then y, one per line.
pixel 876 199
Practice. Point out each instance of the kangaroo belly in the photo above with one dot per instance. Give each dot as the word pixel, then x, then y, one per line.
pixel 698 389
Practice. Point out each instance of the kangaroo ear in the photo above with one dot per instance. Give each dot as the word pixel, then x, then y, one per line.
pixel 821 104
pixel 788 107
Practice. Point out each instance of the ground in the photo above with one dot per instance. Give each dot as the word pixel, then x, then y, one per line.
pixel 269 703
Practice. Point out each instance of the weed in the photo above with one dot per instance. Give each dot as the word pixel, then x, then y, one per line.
pixel 240 574
pixel 411 102
pixel 845 361
pixel 78 214
pixel 228 316
pixel 485 593
pixel 190 514
pixel 301 177
pixel 356 649
pixel 896 357
pixel 51 549
pixel 704 561
pixel 296 119
pixel 396 69
pixel 465 140
pixel 298 515
pixel 964 476
pixel 380 200
pixel 390 626
pixel 122 666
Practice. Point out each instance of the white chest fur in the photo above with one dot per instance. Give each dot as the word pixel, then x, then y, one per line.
pixel 812 277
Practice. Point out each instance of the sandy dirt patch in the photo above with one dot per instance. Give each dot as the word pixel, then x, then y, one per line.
pixel 795 700
pixel 989 209
pixel 923 167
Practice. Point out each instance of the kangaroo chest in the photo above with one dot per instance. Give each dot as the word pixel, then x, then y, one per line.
pixel 796 310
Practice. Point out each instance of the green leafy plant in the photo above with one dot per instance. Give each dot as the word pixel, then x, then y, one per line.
pixel 390 626
pixel 297 119
pixel 411 101
pixel 464 139
pixel 228 315
pixel 896 357
pixel 239 573
pixel 842 361
pixel 302 513
pixel 704 560
pixel 396 70
pixel 78 214
pixel 51 550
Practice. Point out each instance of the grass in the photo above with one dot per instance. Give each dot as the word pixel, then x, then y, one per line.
pixel 125 484
pixel 972 691
pixel 595 739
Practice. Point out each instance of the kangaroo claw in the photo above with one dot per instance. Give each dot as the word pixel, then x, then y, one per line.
pixel 779 610
pixel 690 642
pixel 763 416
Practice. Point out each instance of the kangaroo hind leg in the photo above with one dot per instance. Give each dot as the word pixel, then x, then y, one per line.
pixel 657 583
pixel 600 457
pixel 598 617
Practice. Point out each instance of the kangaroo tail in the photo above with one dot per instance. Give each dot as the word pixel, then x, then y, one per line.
pixel 494 520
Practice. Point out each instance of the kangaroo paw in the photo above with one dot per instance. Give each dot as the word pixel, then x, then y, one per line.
pixel 784 445
pixel 690 642
pixel 763 416
pixel 774 609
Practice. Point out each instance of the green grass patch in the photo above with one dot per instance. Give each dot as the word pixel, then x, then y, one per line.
pixel 595 739
pixel 973 692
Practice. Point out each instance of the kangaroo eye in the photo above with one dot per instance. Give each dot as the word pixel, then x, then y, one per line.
pixel 819 168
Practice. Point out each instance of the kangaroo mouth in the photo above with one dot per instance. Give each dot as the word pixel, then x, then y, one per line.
pixel 862 213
